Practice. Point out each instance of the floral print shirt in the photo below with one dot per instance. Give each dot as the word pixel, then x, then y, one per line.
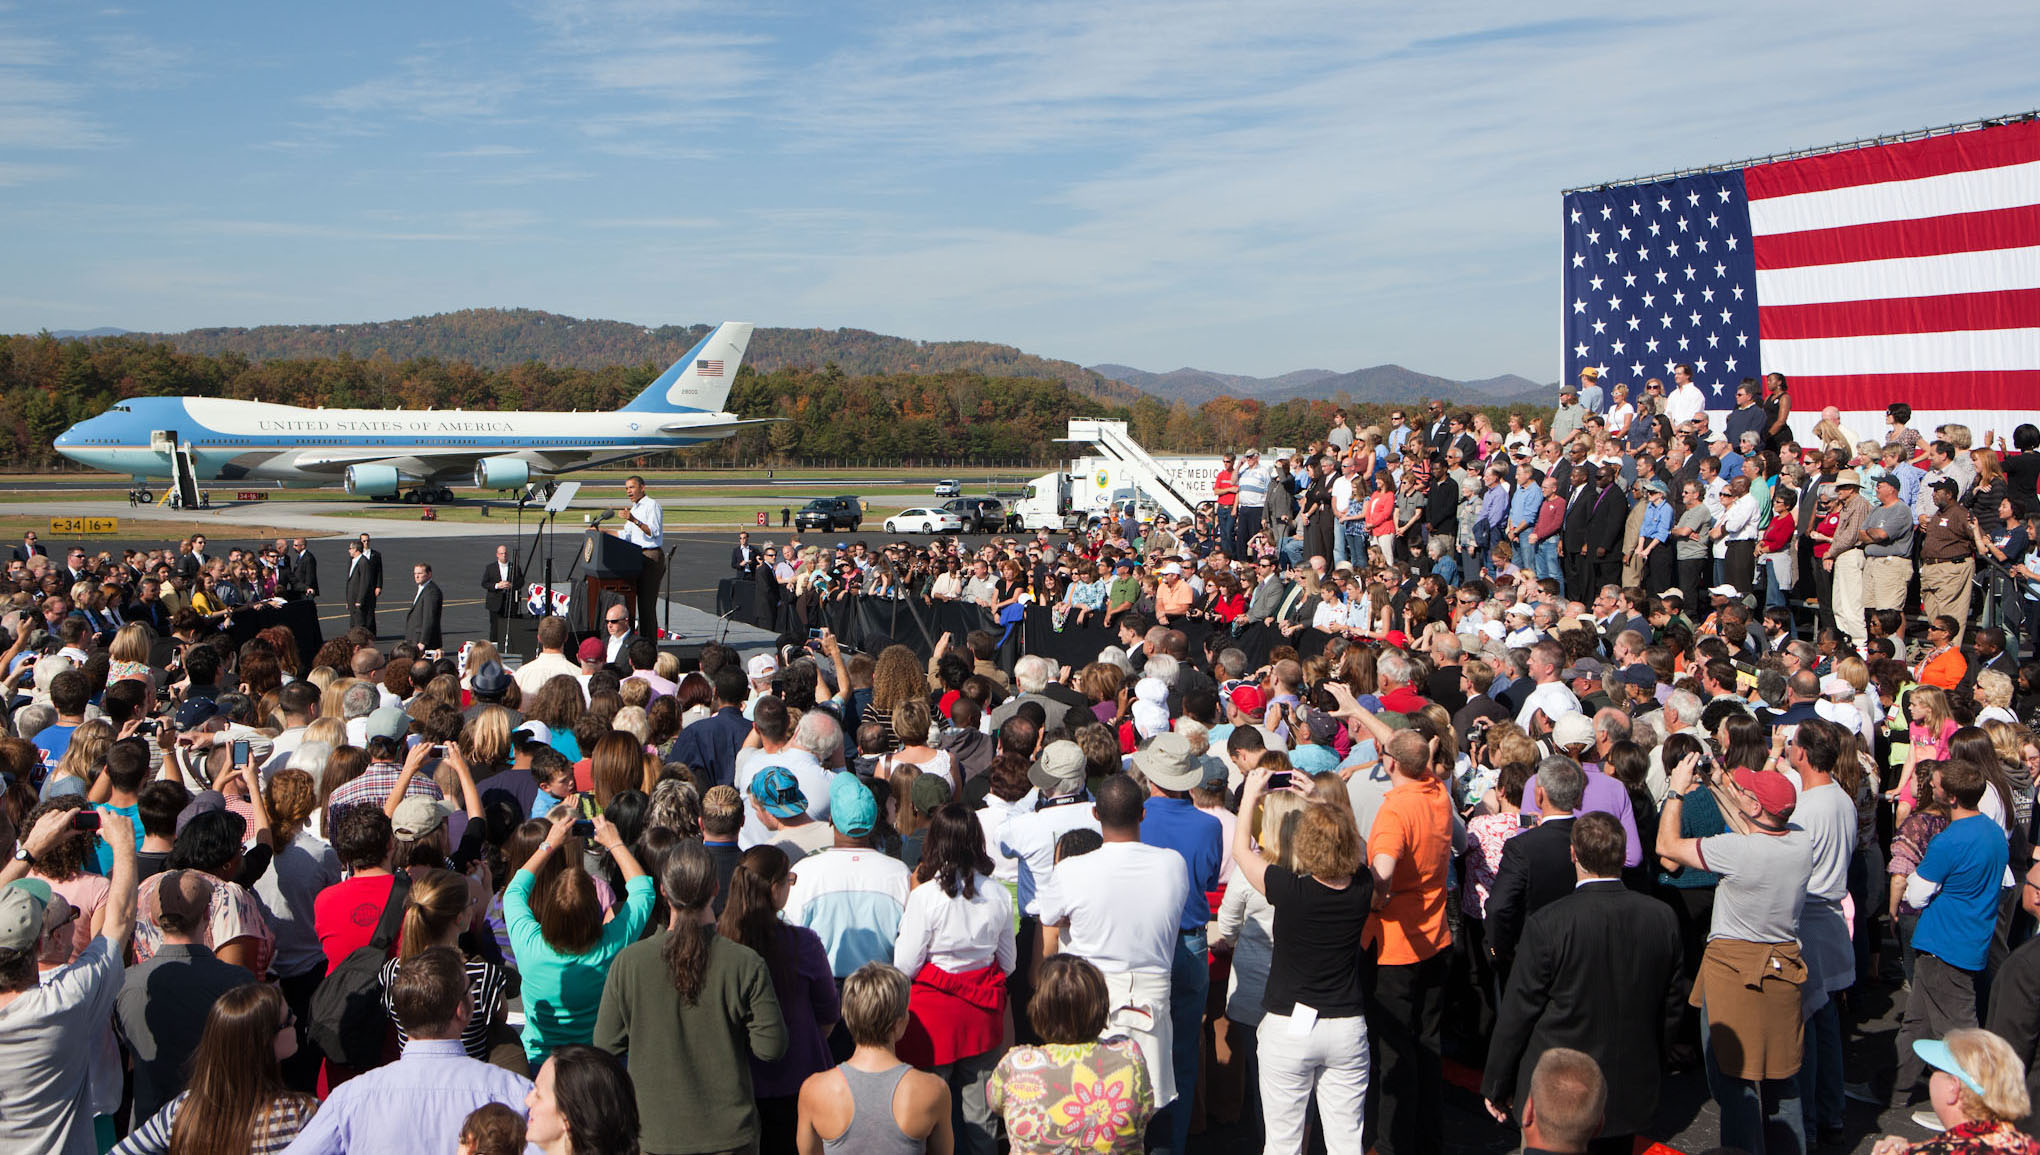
pixel 1978 1139
pixel 1063 1099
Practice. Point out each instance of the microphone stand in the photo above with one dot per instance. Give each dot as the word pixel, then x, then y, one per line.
pixel 666 623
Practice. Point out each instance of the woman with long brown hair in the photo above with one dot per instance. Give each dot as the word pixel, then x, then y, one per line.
pixel 690 991
pixel 564 948
pixel 617 764
pixel 800 978
pixel 236 1102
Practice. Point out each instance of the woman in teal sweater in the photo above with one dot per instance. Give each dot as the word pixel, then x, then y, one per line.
pixel 563 947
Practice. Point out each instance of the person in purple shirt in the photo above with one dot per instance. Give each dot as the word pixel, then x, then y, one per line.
pixel 1172 821
pixel 1573 736
pixel 419 1102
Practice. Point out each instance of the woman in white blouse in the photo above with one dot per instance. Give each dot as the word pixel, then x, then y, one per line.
pixel 956 944
pixel 1620 412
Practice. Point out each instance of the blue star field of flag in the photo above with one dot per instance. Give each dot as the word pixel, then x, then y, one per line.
pixel 1660 274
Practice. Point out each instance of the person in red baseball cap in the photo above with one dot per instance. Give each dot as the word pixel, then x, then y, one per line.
pixel 1748 988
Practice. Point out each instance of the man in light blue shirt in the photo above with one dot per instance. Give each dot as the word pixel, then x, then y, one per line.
pixel 1398 431
pixel 419 1102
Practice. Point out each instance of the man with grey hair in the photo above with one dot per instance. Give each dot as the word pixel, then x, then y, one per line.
pixel 356 704
pixel 821 736
pixel 1536 868
pixel 1031 675
pixel 1442 684
pixel 1610 726
pixel 1681 712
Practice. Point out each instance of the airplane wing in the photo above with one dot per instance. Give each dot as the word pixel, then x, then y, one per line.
pixel 684 426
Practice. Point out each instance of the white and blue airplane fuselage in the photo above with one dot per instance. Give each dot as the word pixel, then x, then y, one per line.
pixel 375 452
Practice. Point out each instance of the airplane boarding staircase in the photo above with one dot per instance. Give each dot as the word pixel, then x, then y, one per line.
pixel 1151 479
pixel 183 468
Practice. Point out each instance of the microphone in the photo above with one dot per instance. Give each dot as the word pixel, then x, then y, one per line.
pixel 605 515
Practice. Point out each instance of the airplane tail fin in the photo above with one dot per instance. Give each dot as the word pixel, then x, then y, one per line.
pixel 700 381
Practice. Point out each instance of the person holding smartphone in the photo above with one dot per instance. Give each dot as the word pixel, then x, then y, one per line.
pixel 563 946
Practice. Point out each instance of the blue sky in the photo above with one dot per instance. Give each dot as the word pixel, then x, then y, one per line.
pixel 1249 188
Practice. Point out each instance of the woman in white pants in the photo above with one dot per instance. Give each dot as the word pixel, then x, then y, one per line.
pixel 1314 1036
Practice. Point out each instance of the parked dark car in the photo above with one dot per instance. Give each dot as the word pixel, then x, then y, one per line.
pixel 830 513
pixel 979 514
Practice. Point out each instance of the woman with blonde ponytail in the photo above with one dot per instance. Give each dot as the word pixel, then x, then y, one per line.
pixel 437 913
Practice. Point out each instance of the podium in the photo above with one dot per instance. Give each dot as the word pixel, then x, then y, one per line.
pixel 609 565
pixel 607 556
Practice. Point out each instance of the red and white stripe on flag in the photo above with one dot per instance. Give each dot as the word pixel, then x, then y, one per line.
pixel 708 368
pixel 1904 272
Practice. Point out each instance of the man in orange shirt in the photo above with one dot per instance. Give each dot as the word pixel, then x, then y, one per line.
pixel 1944 665
pixel 1174 596
pixel 1410 852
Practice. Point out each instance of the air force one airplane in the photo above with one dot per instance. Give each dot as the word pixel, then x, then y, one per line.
pixel 380 452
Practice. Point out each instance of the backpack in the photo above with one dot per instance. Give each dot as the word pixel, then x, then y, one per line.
pixel 347 1019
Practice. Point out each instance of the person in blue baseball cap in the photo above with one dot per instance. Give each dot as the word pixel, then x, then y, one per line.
pixel 1976 1097
pixel 850 894
pixel 783 808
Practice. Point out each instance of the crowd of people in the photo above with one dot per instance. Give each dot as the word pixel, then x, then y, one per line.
pixel 1577 758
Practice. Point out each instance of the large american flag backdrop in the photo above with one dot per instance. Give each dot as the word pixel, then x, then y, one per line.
pixel 1902 271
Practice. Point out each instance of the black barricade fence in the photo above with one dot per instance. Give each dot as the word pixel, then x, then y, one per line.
pixel 301 618
pixel 872 623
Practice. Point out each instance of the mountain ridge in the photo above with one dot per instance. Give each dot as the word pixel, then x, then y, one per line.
pixel 1390 384
pixel 502 338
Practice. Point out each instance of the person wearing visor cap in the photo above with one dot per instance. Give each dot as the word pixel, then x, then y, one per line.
pixel 1977 1098
pixel 1748 988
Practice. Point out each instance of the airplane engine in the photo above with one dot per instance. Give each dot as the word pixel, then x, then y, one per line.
pixel 502 473
pixel 372 480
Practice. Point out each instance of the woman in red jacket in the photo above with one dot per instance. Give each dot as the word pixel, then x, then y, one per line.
pixel 1779 551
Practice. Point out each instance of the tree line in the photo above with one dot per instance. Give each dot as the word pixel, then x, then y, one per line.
pixel 47 385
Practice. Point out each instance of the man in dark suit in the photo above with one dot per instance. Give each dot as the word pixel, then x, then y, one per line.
pixel 1597 971
pixel 191 563
pixel 361 589
pixel 501 581
pixel 421 623
pixel 1536 868
pixel 1605 526
pixel 29 548
pixel 1437 429
pixel 1989 644
pixel 148 607
pixel 1441 507
pixel 1575 554
pixel 744 557
pixel 304 570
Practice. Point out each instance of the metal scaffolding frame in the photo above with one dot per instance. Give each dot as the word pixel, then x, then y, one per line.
pixel 1868 142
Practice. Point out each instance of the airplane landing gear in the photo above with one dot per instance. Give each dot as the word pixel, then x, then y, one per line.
pixel 428 495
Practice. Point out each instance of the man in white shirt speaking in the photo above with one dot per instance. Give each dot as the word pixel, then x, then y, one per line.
pixel 644 526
